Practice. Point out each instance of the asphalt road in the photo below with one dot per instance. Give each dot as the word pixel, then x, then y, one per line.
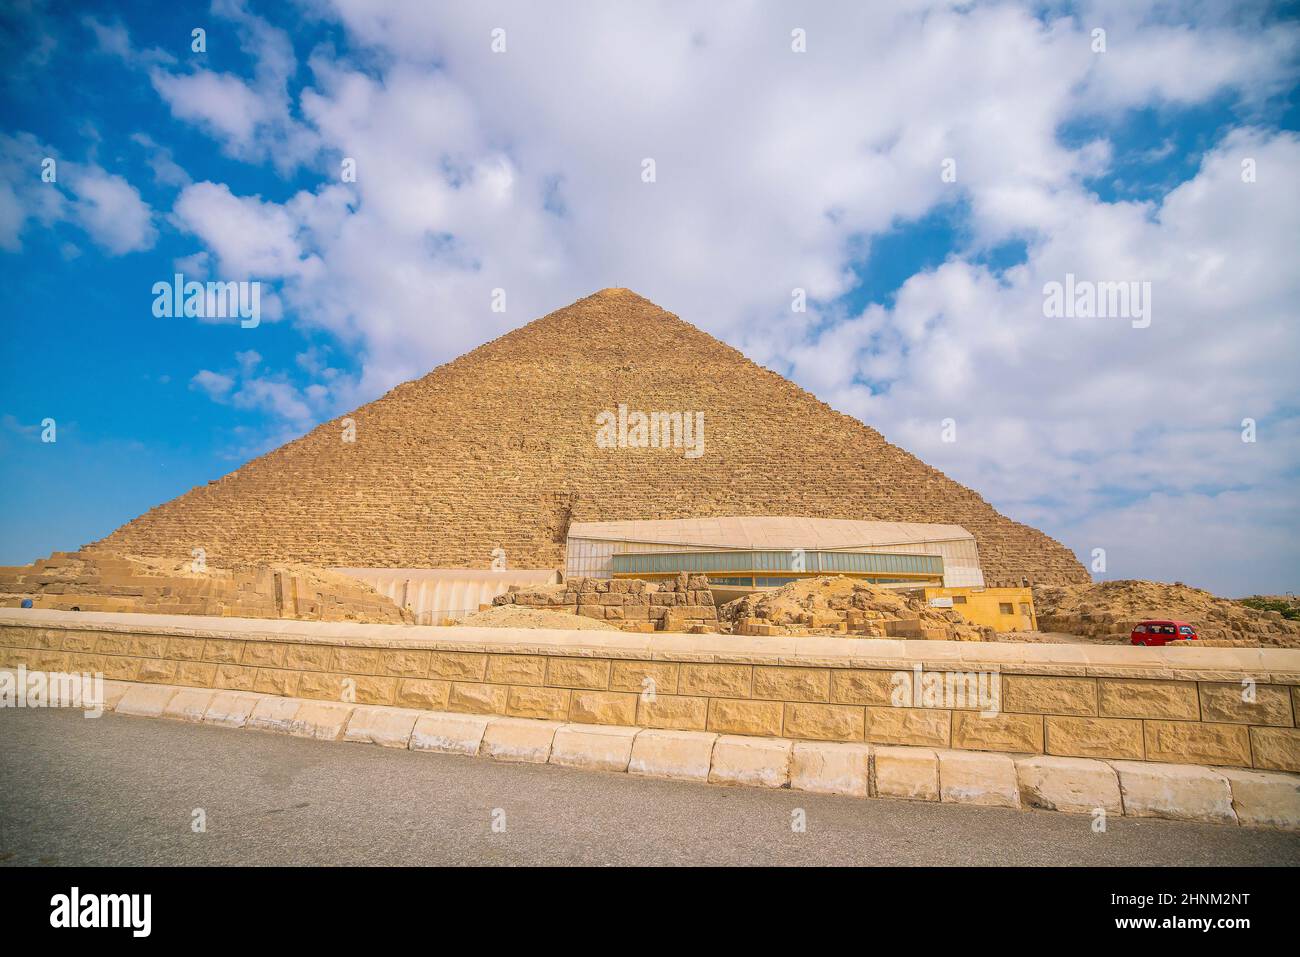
pixel 122 790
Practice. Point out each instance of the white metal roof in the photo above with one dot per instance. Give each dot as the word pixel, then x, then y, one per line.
pixel 780 532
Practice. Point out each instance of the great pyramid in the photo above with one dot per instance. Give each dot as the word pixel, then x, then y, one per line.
pixel 498 450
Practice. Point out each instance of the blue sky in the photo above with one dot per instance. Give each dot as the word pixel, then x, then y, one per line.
pixel 819 170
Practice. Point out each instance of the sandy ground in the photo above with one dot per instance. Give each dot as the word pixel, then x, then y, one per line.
pixel 1048 638
pixel 519 616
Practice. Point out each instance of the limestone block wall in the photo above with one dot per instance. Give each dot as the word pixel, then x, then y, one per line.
pixel 99 581
pixel 682 604
pixel 1183 706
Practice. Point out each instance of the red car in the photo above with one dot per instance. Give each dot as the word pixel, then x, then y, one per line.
pixel 1156 632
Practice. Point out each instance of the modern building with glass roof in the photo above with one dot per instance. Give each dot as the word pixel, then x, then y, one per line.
pixel 755 552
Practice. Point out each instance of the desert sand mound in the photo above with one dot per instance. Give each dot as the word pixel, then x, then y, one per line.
pixel 520 616
pixel 1109 610
pixel 838 605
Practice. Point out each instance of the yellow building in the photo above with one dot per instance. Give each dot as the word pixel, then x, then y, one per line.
pixel 1002 609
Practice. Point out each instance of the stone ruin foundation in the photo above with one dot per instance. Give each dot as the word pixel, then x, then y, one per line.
pixel 683 604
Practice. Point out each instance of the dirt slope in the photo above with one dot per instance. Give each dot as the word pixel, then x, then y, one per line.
pixel 1109 610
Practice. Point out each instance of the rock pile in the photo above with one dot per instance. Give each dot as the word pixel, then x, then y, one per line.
pixel 1109 610
pixel 681 604
pixel 845 606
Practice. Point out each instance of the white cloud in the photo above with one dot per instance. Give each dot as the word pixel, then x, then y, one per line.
pixel 166 171
pixel 1066 422
pixel 114 40
pixel 280 399
pixel 108 208
pixel 111 211
pixel 248 237
pixel 286 405
pixel 253 119
pixel 226 104
pixel 215 384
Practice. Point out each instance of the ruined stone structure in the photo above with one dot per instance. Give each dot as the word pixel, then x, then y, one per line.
pixel 498 449
pixel 96 580
pixel 681 604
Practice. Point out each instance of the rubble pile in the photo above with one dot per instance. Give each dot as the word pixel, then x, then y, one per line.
pixel 1109 610
pixel 681 604
pixel 95 579
pixel 522 616
pixel 844 606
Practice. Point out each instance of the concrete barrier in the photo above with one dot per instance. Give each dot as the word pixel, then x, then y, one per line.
pixel 1265 799
pixel 908 773
pixel 273 714
pixel 145 701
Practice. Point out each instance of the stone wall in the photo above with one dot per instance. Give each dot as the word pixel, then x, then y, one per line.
pixel 1168 705
pixel 683 604
pixel 498 450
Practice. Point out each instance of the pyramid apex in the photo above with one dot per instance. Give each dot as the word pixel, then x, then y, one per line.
pixel 610 300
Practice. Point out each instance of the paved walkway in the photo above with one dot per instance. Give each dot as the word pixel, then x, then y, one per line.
pixel 123 790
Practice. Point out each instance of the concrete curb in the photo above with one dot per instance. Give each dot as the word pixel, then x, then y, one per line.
pixel 763 762
pixel 908 773
pixel 145 701
pixel 1074 785
pixel 680 755
pixel 189 704
pixel 986 778
pixel 1180 792
pixel 829 767
pixel 323 720
pixel 449 733
pixel 231 709
pixel 1268 799
pixel 519 739
pixel 386 727
pixel 598 747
